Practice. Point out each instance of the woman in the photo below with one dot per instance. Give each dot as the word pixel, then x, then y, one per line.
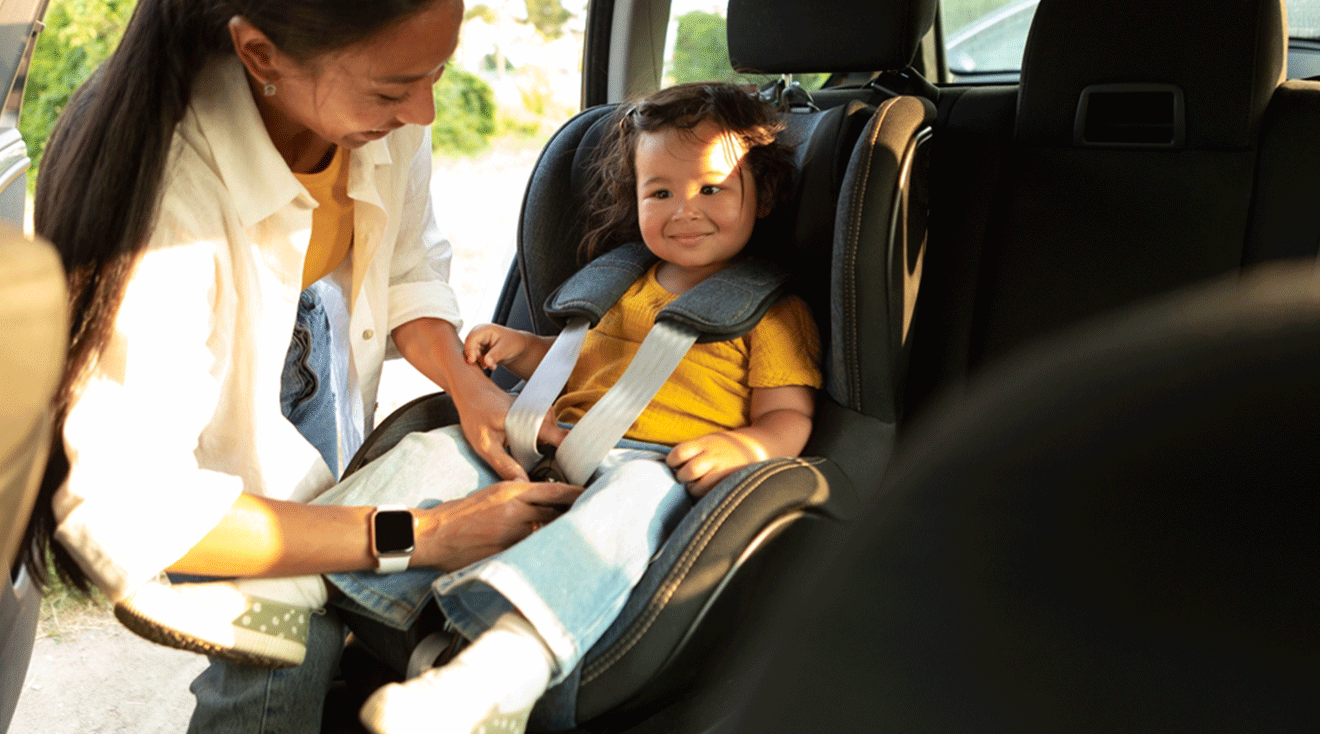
pixel 185 188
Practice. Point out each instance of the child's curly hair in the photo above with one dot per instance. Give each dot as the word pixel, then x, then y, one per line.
pixel 612 205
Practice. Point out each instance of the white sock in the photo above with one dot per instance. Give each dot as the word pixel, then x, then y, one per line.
pixel 299 591
pixel 493 683
pixel 513 659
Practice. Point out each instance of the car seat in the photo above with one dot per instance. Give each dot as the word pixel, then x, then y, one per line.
pixel 33 333
pixel 854 234
pixel 1113 531
pixel 1122 166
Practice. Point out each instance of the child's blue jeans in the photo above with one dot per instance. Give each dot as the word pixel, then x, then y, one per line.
pixel 570 578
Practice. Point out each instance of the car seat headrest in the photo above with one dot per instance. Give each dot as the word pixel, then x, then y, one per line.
pixel 1208 69
pixel 774 37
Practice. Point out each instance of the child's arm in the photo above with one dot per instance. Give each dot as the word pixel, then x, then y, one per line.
pixel 780 425
pixel 517 351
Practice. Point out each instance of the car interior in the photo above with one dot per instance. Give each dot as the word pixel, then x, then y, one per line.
pixel 1069 313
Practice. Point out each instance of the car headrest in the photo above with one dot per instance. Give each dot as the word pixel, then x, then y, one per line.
pixel 775 37
pixel 1205 70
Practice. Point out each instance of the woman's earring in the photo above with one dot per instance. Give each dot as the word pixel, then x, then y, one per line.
pixel 268 90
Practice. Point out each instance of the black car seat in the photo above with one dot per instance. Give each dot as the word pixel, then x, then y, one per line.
pixel 1122 166
pixel 1114 531
pixel 854 234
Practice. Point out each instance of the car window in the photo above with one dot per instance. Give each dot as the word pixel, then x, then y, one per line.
pixel 984 39
pixel 696 48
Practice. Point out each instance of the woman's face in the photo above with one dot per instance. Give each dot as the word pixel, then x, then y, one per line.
pixel 361 93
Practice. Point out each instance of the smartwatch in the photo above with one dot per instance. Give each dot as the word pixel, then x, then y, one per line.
pixel 392 539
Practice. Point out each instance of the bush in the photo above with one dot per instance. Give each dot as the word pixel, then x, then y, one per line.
pixel 79 35
pixel 464 113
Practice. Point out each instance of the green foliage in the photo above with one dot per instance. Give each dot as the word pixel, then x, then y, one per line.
pixel 480 11
pixel 79 35
pixel 464 113
pixel 701 53
pixel 549 17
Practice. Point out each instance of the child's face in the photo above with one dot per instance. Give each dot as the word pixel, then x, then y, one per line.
pixel 696 200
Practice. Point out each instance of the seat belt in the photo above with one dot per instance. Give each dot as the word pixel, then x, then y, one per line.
pixel 722 307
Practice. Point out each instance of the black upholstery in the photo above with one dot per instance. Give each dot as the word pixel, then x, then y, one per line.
pixel 775 37
pixel 1226 56
pixel 1283 220
pixel 1082 215
pixel 1114 531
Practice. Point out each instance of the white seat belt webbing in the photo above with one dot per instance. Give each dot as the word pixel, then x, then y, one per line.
pixel 605 423
pixel 523 421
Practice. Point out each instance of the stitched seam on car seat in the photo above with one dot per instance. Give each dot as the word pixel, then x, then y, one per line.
pixel 684 564
pixel 851 342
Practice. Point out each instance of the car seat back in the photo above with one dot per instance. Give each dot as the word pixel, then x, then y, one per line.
pixel 1283 221
pixel 1112 531
pixel 1129 169
pixel 33 333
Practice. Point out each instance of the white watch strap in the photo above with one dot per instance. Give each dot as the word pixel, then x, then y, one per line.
pixel 392 564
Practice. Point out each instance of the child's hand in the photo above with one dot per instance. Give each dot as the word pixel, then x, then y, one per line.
pixel 490 345
pixel 702 462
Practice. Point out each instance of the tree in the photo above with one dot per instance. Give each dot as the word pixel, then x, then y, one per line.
pixel 464 113
pixel 549 17
pixel 701 53
pixel 79 35
pixel 701 50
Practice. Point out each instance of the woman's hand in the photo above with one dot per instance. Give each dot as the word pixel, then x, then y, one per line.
pixel 433 347
pixel 482 406
pixel 459 532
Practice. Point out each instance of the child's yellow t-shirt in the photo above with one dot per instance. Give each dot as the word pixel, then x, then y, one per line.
pixel 332 220
pixel 711 388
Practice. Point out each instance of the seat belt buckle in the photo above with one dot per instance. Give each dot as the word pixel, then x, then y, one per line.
pixel 546 470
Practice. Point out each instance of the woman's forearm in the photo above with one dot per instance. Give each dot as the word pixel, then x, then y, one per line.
pixel 433 347
pixel 265 537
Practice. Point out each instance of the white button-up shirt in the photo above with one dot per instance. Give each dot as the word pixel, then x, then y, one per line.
pixel 181 412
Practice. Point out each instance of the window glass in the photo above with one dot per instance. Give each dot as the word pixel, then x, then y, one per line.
pixel 696 48
pixel 1304 19
pixel 984 39
pixel 515 78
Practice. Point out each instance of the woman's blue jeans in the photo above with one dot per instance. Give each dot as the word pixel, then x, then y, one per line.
pixel 241 699
pixel 306 396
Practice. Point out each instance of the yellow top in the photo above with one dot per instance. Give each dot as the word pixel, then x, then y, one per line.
pixel 711 388
pixel 332 221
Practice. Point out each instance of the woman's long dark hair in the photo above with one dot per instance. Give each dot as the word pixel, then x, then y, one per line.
pixel 612 206
pixel 100 178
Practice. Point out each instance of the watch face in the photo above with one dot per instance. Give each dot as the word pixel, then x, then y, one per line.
pixel 393 531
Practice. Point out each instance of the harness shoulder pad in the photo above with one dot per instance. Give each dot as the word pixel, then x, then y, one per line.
pixel 591 291
pixel 729 303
